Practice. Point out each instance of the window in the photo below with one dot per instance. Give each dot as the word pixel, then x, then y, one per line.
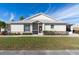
pixel 68 28
pixel 52 26
pixel 26 27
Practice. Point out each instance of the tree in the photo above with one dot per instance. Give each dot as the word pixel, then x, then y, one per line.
pixel 2 24
pixel 21 18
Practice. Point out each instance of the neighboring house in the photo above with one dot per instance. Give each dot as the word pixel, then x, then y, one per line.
pixel 37 24
pixel 2 29
pixel 75 28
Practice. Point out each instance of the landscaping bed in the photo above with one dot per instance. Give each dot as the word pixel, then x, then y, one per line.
pixel 55 33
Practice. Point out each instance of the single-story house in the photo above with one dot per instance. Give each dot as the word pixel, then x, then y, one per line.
pixel 75 28
pixel 37 24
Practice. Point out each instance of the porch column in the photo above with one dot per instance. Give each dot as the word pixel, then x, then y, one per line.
pixel 31 28
pixel 72 29
pixel 71 32
pixel 43 27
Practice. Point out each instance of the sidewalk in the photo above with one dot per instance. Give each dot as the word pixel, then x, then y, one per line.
pixel 73 35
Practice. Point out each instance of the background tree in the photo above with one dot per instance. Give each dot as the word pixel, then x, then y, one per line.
pixel 21 18
pixel 2 24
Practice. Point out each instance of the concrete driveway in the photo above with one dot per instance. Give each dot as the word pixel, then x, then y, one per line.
pixel 40 52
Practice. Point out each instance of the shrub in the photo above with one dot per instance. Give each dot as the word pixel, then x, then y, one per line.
pixel 48 33
pixel 55 33
pixel 27 33
pixel 20 33
pixel 76 31
pixel 14 34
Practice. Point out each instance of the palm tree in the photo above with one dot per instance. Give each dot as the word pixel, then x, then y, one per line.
pixel 21 18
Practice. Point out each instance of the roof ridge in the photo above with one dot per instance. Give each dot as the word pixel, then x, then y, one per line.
pixel 33 15
pixel 37 15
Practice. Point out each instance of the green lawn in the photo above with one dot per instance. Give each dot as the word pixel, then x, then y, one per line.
pixel 38 43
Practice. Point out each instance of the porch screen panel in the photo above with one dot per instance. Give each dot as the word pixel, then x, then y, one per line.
pixel 35 27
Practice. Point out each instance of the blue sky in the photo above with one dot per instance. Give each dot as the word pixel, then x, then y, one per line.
pixel 67 12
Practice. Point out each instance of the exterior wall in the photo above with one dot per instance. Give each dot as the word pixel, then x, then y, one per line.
pixel 47 27
pixel 56 28
pixel 41 18
pixel 19 28
pixel 60 28
pixel 2 29
pixel 15 28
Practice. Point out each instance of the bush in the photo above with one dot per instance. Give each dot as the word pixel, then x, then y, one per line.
pixel 14 34
pixel 76 31
pixel 48 33
pixel 55 33
pixel 27 33
pixel 20 33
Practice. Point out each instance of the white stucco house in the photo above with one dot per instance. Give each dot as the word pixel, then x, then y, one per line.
pixel 36 24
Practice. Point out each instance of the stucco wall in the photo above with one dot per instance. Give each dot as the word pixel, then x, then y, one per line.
pixel 56 28
pixel 20 28
pixel 2 29
pixel 60 27
pixel 47 27
pixel 17 28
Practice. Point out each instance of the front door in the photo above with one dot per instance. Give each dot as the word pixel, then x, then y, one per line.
pixel 40 29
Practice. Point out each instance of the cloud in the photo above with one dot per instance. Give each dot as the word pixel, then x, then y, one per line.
pixel 72 21
pixel 2 19
pixel 11 16
pixel 69 12
pixel 48 9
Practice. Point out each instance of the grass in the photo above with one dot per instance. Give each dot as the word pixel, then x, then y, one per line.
pixel 38 43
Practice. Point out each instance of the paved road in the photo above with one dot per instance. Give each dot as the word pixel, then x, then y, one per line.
pixel 41 52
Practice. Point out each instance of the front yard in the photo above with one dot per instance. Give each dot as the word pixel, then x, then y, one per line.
pixel 38 43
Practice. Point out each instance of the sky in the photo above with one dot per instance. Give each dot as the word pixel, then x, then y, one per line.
pixel 68 12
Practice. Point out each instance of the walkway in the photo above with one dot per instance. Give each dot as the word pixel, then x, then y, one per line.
pixel 73 35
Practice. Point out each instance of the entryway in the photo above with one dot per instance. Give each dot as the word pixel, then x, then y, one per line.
pixel 37 28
